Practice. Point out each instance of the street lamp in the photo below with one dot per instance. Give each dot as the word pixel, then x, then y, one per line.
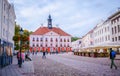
pixel 20 59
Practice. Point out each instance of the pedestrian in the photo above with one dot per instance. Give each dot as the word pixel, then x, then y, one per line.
pixel 27 57
pixel 18 57
pixel 36 52
pixel 33 52
pixel 112 57
pixel 23 56
pixel 43 55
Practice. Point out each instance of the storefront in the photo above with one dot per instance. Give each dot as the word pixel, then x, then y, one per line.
pixel 6 49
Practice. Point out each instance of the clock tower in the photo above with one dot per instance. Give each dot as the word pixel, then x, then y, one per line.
pixel 49 22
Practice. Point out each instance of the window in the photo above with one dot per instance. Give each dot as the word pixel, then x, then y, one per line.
pixel 56 45
pixel 37 39
pixel 4 7
pixel 51 40
pixel 118 28
pixel 119 37
pixel 51 45
pixel 108 28
pixel 41 45
pixel 115 30
pixel 56 40
pixel 33 45
pixel 108 37
pixel 105 29
pixel 33 39
pixel 37 45
pixel 118 19
pixel 6 33
pixel 102 31
pixel 113 39
pixel 68 45
pixel 60 40
pixel 61 45
pixel 112 31
pixel 41 39
pixel 46 45
pixel 64 40
pixel 4 19
pixel 112 22
pixel 46 40
pixel 68 40
pixel 64 45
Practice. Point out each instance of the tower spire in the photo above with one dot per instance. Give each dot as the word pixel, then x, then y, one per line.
pixel 49 22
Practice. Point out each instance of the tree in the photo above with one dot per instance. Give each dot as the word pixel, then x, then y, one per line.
pixel 24 38
pixel 74 38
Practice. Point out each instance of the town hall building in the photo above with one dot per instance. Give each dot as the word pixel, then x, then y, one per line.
pixel 50 39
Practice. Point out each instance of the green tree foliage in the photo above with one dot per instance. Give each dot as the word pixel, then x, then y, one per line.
pixel 74 39
pixel 17 28
pixel 26 32
pixel 24 38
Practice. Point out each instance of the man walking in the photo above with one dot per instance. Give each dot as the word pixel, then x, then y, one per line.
pixel 43 55
pixel 112 57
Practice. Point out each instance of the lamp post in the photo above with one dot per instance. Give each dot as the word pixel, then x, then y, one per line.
pixel 20 59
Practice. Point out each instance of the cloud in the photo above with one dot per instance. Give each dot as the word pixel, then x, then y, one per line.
pixel 74 16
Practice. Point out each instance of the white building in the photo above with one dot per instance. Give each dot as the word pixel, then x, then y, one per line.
pixel 115 28
pixel 76 45
pixel 102 36
pixel 52 39
pixel 105 35
pixel 7 25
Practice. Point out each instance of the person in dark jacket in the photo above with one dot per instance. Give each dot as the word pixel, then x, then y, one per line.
pixel 112 57
pixel 43 55
pixel 27 57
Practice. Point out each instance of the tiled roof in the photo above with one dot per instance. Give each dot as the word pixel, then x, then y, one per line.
pixel 44 30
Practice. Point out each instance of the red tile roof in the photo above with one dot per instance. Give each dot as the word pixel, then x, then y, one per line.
pixel 43 30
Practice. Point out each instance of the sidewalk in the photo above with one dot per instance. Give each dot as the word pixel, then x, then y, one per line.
pixel 27 69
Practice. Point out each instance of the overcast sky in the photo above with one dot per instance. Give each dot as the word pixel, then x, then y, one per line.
pixel 75 17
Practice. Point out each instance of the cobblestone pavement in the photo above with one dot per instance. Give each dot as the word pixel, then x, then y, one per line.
pixel 102 61
pixel 70 65
pixel 48 67
pixel 93 68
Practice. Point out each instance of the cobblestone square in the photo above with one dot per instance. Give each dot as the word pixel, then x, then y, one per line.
pixel 70 65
